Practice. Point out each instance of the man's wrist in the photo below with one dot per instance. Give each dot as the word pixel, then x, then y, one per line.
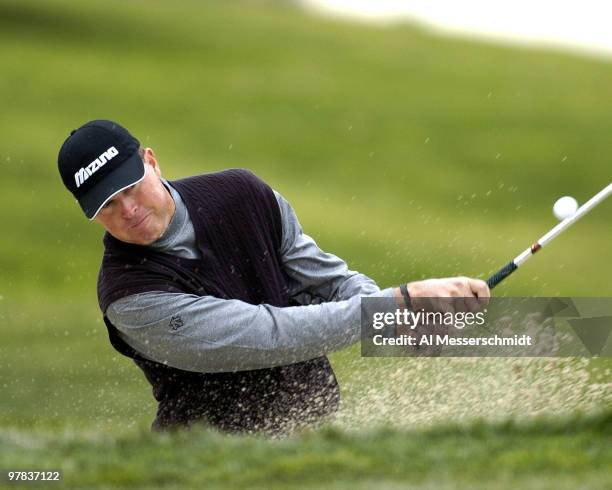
pixel 405 295
pixel 402 296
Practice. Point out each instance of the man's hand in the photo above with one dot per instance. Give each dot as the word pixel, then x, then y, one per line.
pixel 442 294
pixel 447 295
pixel 449 287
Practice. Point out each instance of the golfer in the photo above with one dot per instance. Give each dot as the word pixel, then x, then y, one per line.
pixel 210 285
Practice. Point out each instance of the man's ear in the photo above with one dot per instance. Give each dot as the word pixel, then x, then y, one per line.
pixel 150 158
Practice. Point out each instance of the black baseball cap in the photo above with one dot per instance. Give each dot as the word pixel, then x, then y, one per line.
pixel 97 161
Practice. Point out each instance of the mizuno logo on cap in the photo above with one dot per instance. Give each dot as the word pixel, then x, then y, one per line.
pixel 85 172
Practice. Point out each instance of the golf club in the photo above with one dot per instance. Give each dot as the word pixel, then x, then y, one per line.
pixel 508 269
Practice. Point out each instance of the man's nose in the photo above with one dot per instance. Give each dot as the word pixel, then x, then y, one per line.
pixel 129 207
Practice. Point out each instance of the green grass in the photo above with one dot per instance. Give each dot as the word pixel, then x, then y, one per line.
pixel 408 155
pixel 564 454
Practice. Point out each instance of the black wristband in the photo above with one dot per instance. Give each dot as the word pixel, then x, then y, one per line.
pixel 405 295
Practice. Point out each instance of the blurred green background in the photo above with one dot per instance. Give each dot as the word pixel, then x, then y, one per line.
pixel 408 155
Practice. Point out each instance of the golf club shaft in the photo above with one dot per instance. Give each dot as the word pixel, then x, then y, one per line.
pixel 509 268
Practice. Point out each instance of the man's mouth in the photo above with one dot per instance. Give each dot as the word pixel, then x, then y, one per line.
pixel 140 222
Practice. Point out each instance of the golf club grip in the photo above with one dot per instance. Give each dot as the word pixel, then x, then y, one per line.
pixel 501 274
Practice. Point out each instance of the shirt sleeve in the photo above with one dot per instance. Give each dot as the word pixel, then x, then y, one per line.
pixel 315 275
pixel 208 334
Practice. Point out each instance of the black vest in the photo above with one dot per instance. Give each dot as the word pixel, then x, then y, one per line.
pixel 238 232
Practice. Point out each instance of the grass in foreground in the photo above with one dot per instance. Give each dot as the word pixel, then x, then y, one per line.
pixel 561 453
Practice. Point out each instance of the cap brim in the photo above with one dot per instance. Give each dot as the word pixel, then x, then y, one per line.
pixel 125 175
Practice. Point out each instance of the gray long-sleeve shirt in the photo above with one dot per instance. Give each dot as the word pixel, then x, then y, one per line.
pixel 215 335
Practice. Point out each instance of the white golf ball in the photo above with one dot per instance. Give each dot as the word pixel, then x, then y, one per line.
pixel 565 207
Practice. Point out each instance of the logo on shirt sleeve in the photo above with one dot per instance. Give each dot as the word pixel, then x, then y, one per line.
pixel 176 322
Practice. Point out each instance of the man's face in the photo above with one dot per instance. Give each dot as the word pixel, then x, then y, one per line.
pixel 141 213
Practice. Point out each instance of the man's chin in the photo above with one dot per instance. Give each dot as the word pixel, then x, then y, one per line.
pixel 137 240
pixel 146 240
